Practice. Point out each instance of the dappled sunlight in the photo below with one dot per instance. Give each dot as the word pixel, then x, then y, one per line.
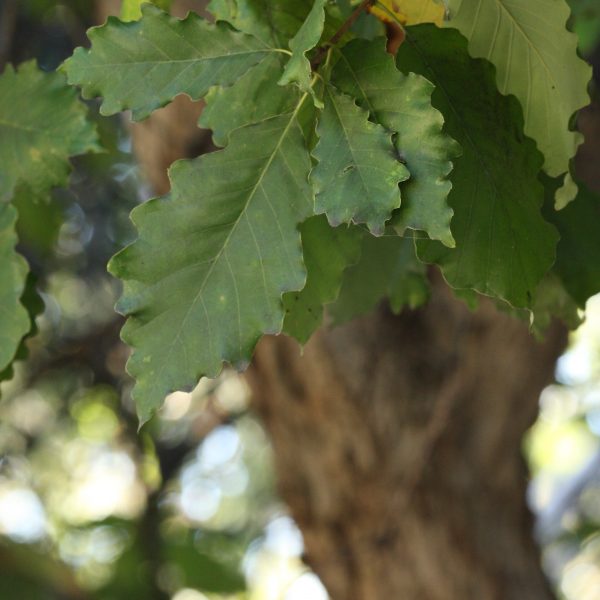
pixel 22 515
pixel 563 449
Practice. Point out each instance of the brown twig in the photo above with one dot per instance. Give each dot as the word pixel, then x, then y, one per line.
pixel 322 51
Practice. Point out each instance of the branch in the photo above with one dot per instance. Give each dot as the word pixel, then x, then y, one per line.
pixel 364 5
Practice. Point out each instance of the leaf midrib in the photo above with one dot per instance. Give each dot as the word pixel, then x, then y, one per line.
pixel 184 60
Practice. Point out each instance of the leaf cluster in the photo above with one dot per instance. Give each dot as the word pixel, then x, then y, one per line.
pixel 344 170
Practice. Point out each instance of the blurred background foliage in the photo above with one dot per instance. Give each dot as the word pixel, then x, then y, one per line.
pixel 187 509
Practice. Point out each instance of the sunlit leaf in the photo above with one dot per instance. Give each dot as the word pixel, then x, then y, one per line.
pixel 565 193
pixel 14 319
pixel 298 69
pixel 536 60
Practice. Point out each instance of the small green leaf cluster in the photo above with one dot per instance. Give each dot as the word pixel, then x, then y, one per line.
pixel 343 172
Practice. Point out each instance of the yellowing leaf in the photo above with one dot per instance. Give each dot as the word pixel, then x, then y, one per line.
pixel 410 12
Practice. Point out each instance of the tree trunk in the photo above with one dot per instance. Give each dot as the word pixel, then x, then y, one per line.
pixel 398 450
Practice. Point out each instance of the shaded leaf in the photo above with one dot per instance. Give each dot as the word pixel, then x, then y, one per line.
pixel 503 245
pixel 328 252
pixel 357 175
pixel 142 65
pixel 205 278
pixel 578 251
pixel 536 60
pixel 253 98
pixel 402 104
pixel 388 268
pixel 42 123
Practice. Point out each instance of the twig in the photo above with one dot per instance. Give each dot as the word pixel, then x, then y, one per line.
pixel 364 5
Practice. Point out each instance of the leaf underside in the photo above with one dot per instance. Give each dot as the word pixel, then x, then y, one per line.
pixel 536 60
pixel 42 124
pixel 387 268
pixel 328 251
pixel 410 12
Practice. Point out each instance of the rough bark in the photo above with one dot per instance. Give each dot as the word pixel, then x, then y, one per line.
pixel 398 450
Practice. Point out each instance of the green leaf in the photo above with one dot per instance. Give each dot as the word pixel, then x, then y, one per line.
pixel 274 22
pixel 388 268
pixel 32 302
pixel 357 175
pixel 253 98
pixel 578 251
pixel 143 65
pixel 552 300
pixel 298 69
pixel 328 252
pixel 42 123
pixel 14 319
pixel 503 245
pixel 402 104
pixel 205 278
pixel 131 10
pixel 536 60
